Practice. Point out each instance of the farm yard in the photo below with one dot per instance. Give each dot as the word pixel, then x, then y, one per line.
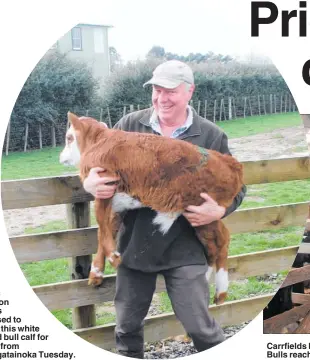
pixel 277 136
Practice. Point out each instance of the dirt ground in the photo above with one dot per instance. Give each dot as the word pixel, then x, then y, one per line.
pixel 279 143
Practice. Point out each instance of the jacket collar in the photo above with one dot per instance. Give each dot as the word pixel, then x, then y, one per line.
pixel 193 130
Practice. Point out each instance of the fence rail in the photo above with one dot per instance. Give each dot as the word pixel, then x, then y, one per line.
pixel 81 243
pixel 300 313
pixel 19 194
pixel 77 293
pixel 160 327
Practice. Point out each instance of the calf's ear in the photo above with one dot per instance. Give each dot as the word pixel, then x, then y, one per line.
pixel 74 120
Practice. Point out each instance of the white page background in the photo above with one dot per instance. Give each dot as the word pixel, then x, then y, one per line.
pixel 28 29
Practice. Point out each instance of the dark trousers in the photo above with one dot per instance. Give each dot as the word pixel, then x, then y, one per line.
pixel 188 291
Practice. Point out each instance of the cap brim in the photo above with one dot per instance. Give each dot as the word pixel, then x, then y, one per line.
pixel 165 83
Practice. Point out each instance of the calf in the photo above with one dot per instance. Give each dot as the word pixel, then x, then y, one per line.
pixel 164 174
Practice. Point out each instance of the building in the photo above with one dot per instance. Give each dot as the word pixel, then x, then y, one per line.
pixel 88 43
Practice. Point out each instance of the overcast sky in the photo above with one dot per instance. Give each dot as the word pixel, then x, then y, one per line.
pixel 178 26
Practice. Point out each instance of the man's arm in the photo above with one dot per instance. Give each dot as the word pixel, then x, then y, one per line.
pixel 236 202
pixel 210 210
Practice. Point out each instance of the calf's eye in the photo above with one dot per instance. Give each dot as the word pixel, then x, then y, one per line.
pixel 70 138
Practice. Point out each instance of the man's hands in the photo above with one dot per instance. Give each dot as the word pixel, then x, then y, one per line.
pixel 96 185
pixel 206 213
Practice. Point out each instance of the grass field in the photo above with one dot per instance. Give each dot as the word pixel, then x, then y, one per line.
pixel 259 124
pixel 45 163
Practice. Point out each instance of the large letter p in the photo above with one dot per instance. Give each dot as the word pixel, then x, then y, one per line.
pixel 256 20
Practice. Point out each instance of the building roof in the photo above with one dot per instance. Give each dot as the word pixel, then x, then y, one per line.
pixel 95 25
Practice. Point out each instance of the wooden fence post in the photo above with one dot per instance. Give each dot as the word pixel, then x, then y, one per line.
pixel 258 98
pixel 53 135
pixel 101 113
pixel 285 103
pixel 109 117
pixel 8 133
pixel 198 108
pixel 270 104
pixel 229 109
pixel 221 110
pixel 78 216
pixel 234 107
pixel 124 111
pixel 222 107
pixel 244 106
pixel 40 136
pixel 250 105
pixel 214 111
pixel 264 103
pixel 205 111
pixel 281 103
pixel 131 108
pixel 86 113
pixel 275 104
pixel 26 136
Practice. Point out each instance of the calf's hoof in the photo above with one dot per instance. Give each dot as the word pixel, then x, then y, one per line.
pixel 220 298
pixel 115 259
pixel 94 280
pixel 95 277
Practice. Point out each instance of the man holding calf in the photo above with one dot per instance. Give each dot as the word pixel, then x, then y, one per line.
pixel 178 255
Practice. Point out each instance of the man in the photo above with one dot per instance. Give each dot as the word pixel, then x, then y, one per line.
pixel 177 255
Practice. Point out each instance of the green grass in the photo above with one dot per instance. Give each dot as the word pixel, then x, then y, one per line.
pixel 259 124
pixel 265 240
pixel 36 163
pixel 64 316
pixel 55 225
pixel 105 318
pixel 286 192
pixel 47 271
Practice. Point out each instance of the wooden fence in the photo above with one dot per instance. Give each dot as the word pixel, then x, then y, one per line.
pixel 289 311
pixel 219 109
pixel 299 314
pixel 80 243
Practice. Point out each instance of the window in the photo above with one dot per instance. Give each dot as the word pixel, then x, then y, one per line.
pixel 76 34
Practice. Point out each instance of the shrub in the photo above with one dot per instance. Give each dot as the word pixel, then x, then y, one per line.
pixel 213 79
pixel 56 85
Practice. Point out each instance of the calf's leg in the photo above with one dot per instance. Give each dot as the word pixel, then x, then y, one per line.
pixel 215 237
pixel 106 242
pixel 221 277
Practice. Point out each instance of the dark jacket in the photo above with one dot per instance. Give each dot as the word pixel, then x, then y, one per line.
pixel 141 245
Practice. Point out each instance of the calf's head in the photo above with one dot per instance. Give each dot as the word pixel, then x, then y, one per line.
pixel 81 132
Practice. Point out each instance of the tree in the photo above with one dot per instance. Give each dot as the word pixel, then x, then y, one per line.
pixel 156 52
pixel 115 59
pixel 55 86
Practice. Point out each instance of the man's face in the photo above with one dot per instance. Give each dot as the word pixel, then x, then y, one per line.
pixel 170 104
